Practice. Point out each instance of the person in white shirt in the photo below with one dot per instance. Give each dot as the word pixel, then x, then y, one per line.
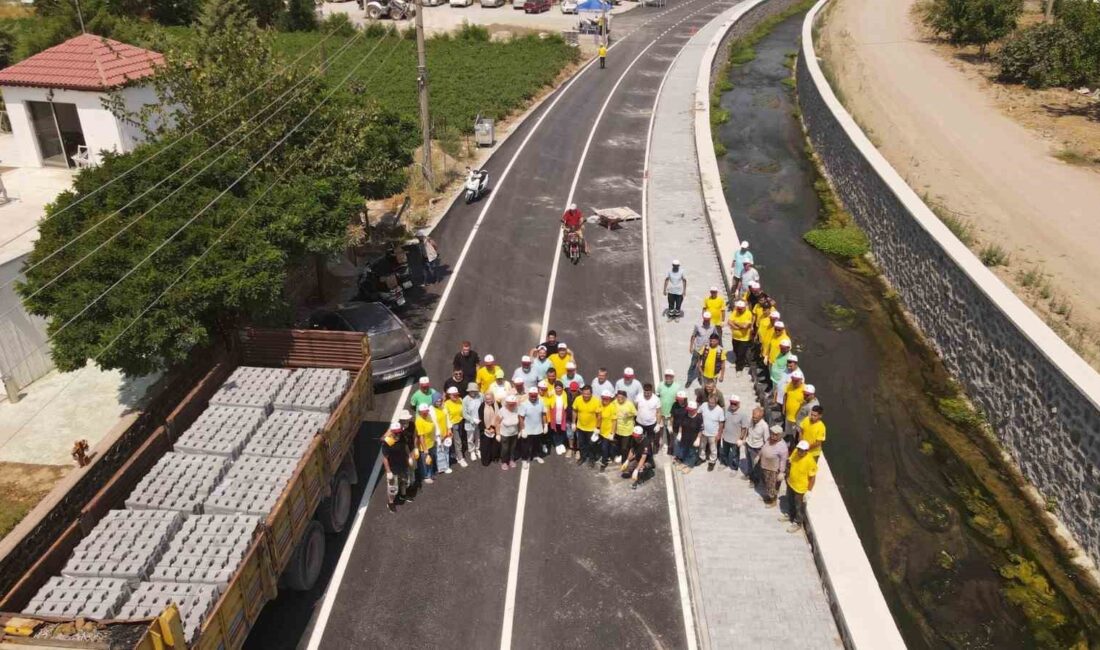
pixel 714 422
pixel 602 383
pixel 629 384
pixel 749 275
pixel 526 372
pixel 649 407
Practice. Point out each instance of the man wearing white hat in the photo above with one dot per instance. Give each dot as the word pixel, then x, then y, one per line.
pixel 526 372
pixel 666 392
pixel 585 413
pixel 773 463
pixel 750 275
pixel 783 366
pixel 487 373
pixel 801 473
pixel 425 442
pixel 715 303
pixel 740 321
pixel 688 431
pixel 700 336
pixel 395 463
pixel 674 288
pixel 639 463
pixel 424 393
pixel 571 375
pixel 560 358
pixel 630 385
pixel 793 397
pixel 532 425
pixel 809 391
pixel 739 258
pixel 606 420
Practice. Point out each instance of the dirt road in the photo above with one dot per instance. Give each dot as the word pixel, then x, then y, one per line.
pixel 946 136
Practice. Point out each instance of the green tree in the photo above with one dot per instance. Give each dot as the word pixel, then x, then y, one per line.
pixel 7 48
pixel 971 22
pixel 1043 55
pixel 1082 17
pixel 349 150
pixel 217 16
pixel 300 16
pixel 267 12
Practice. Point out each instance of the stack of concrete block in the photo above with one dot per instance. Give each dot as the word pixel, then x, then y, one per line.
pixel 286 434
pixel 252 387
pixel 314 389
pixel 64 597
pixel 125 544
pixel 221 430
pixel 252 486
pixel 208 549
pixel 196 602
pixel 178 482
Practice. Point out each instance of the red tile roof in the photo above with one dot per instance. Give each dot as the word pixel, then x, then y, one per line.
pixel 86 62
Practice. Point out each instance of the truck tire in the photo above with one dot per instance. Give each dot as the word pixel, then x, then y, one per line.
pixel 306 561
pixel 335 509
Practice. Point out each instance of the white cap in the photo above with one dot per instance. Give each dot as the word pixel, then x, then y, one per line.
pixel 779 325
pixel 607 393
pixel 517 379
pixel 693 405
pixel 572 206
pixel 569 365
pixel 681 394
pixel 706 315
pixel 798 374
pixel 739 303
pixel 489 359
pixel 425 380
pixel 628 372
pixel 809 388
pixel 525 359
pixel 676 262
pixel 511 399
pixel 638 430
pixel 792 357
pixel 745 244
pixel 735 398
pixel 776 428
pixel 423 408
pixel 404 415
pixel 670 372
pixel 773 314
pixel 747 263
pixel 714 289
pixel 395 426
pixel 786 343
pixel 453 390
pixel 543 384
pixel 562 346
pixel 754 285
pixel 532 391
pixel 804 445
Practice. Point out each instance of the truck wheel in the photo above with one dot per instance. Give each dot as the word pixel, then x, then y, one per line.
pixel 335 509
pixel 305 564
pixel 374 13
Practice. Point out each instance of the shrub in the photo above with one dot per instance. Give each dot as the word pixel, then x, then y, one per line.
pixel 845 242
pixel 993 255
pixel 971 22
pixel 1047 54
pixel 342 26
pixel 468 32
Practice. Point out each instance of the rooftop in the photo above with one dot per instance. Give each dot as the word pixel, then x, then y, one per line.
pixel 85 62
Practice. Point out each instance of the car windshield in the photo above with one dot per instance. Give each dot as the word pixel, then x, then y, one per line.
pixel 386 333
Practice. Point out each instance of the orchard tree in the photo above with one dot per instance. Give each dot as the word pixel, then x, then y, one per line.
pixel 293 207
pixel 971 22
pixel 300 16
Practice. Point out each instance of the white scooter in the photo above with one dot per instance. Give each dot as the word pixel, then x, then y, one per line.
pixel 477 182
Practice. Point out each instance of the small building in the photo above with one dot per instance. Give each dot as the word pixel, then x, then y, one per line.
pixel 55 101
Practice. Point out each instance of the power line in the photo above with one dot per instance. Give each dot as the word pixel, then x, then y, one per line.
pixel 176 141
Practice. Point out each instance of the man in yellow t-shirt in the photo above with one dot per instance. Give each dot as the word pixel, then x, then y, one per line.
pixel 765 331
pixel 486 374
pixel 452 406
pixel 792 398
pixel 779 333
pixel 712 364
pixel 585 415
pixel 740 321
pixel 812 430
pixel 603 55
pixel 715 303
pixel 559 359
pixel 801 473
pixel 605 419
pixel 425 442
pixel 625 414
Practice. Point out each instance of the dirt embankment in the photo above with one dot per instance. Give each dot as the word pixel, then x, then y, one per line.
pixel 1006 167
pixel 22 486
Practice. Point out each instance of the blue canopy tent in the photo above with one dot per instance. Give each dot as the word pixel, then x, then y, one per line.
pixel 596 7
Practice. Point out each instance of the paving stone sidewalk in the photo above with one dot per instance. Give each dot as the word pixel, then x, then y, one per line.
pixel 753 583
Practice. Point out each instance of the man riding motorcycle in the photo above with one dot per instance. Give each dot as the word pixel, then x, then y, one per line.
pixel 572 220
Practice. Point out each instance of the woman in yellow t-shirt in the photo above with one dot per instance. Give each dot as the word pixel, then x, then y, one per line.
pixel 425 442
pixel 625 414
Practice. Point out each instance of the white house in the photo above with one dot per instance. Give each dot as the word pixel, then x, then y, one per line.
pixel 55 100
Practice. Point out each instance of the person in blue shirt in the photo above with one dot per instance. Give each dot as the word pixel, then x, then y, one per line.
pixel 739 258
pixel 542 363
pixel 532 426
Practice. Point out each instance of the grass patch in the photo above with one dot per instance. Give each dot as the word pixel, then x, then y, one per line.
pixel 22 486
pixel 789 82
pixel 1074 157
pixel 993 255
pixel 743 51
pixel 845 242
pixel 959 411
pixel 840 317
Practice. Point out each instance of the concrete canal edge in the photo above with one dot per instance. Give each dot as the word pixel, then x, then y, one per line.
pixel 1039 395
pixel 860 609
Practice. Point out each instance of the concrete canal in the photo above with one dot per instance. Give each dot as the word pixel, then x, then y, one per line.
pixel 964 560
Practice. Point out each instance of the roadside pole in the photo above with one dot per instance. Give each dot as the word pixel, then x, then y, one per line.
pixel 422 83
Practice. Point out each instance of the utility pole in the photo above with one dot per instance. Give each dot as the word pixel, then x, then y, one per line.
pixel 80 16
pixel 422 83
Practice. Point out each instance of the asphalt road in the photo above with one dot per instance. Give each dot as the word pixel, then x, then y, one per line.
pixel 595 563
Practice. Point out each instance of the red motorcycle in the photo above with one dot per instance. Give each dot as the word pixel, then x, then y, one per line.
pixel 572 245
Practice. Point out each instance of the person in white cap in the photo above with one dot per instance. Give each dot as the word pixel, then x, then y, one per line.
pixel 395 463
pixel 809 391
pixel 739 258
pixel 626 413
pixel 425 442
pixel 628 384
pixel 675 416
pixel 411 442
pixel 452 406
pixel 782 366
pixel 639 463
pixel 572 220
pixel 526 372
pixel 752 442
pixel 605 420
pixel 560 358
pixel 571 375
pixel 715 304
pixel 532 426
pixel 471 420
pixel 700 336
pixel 750 275
pixel 489 441
pixel 499 389
pixel 666 393
pixel 773 464
pixel 714 423
pixel 649 412
pixel 508 431
pixel 737 426
pixel 586 414
pixel 779 334
pixel 740 321
pixel 801 474
pixel 765 330
pixel 674 288
pixel 793 396
pixel 424 393
pixel 541 363
pixel 688 431
pixel 487 373
pixel 444 441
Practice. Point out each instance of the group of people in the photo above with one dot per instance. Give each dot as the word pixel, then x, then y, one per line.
pixel 720 430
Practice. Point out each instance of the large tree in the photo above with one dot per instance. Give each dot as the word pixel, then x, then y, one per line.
pixel 349 150
pixel 972 22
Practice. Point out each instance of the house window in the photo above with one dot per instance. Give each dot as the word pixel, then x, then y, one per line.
pixel 57 129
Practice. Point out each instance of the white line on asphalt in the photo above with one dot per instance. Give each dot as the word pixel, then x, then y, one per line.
pixel 521 502
pixel 342 565
pixel 673 513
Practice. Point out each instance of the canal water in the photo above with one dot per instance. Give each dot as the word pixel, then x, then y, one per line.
pixel 956 570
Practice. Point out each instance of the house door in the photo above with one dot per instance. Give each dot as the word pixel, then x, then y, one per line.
pixel 57 128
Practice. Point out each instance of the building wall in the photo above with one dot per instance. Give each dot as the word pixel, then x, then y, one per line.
pixel 1039 395
pixel 20 333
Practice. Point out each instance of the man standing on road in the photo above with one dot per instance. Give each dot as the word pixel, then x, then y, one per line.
pixel 586 409
pixel 572 376
pixel 675 286
pixel 532 424
pixel 773 463
pixel 602 384
pixel 444 441
pixel 737 425
pixel 687 432
pixel 753 440
pixel 712 361
pixel 676 415
pixel 466 359
pixel 742 255
pixel 699 338
pixel 425 443
pixel 395 460
pixel 792 398
pixel 625 414
pixel 603 56
pixel 749 275
pixel 487 374
pixel 457 425
pixel 714 423
pixel 471 419
pixel 781 367
pixel 666 392
pixel 429 251
pixel 541 363
pixel 606 419
pixel 811 429
pixel 716 305
pixel 629 385
pixel 508 431
pixel 810 401
pixel 526 372
pixel 649 411
pixel 456 381
pixel 801 473
pixel 551 343
pixel 561 357
pixel 424 394
pixel 740 321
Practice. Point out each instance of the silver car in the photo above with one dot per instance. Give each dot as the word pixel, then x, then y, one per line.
pixel 394 352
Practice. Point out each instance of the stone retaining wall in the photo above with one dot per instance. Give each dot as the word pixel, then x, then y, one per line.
pixel 1038 394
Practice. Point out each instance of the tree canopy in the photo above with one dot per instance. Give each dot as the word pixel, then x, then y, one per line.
pixel 972 22
pixel 349 150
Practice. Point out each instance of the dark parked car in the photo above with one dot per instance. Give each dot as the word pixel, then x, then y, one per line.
pixel 395 353
pixel 536 6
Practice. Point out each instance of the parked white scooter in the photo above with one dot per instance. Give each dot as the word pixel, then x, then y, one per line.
pixel 477 183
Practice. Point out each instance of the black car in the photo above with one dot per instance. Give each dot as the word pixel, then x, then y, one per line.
pixel 394 352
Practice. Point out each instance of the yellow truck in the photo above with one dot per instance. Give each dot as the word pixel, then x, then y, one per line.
pixel 287 549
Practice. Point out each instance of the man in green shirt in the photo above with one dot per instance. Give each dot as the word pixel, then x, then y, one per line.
pixel 666 391
pixel 779 366
pixel 424 394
